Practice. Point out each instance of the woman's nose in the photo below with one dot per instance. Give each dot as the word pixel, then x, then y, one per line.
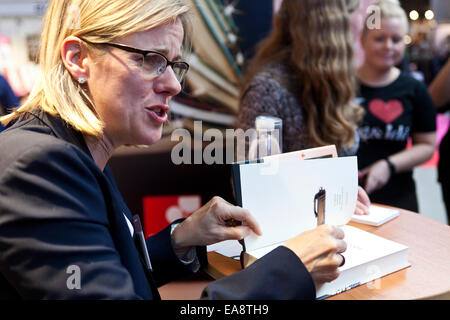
pixel 168 83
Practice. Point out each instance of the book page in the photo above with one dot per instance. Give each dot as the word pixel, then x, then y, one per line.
pixel 363 247
pixel 281 195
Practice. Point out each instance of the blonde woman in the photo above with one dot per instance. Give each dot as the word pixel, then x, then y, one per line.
pixel 109 69
pixel 398 107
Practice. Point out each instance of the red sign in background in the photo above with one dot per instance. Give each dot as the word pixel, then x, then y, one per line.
pixel 160 211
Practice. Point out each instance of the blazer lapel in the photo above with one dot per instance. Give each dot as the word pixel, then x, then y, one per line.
pixel 117 211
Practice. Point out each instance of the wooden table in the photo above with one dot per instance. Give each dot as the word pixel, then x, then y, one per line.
pixel 428 253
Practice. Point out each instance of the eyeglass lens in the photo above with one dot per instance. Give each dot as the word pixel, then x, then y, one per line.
pixel 157 64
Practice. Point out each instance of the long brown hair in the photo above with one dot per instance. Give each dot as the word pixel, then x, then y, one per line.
pixel 313 38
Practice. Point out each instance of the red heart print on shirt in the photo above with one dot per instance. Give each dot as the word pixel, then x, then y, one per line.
pixel 386 111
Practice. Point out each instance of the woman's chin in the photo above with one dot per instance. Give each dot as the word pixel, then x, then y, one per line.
pixel 152 138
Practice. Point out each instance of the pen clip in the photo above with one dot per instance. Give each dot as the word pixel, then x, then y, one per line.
pixel 316 201
pixel 319 206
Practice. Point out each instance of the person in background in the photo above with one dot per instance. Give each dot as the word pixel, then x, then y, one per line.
pixel 303 74
pixel 398 107
pixel 107 79
pixel 8 99
pixel 440 93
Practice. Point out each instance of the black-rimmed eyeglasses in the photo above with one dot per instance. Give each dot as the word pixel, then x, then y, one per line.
pixel 153 62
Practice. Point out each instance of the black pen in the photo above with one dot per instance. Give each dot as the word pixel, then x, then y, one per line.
pixel 141 240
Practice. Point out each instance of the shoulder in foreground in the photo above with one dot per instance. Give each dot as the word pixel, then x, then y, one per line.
pixel 28 143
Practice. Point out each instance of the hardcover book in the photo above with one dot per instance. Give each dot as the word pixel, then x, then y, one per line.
pixel 281 192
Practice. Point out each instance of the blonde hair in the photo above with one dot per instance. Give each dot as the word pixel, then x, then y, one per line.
pixel 56 92
pixel 313 38
pixel 388 9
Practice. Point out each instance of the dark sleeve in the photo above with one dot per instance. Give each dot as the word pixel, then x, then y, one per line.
pixel 166 264
pixel 424 117
pixel 7 97
pixel 278 275
pixel 54 219
pixel 260 98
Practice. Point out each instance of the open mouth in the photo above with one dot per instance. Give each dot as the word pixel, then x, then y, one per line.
pixel 159 114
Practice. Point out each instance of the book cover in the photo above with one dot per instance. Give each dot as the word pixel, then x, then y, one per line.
pixel 281 195
pixel 231 248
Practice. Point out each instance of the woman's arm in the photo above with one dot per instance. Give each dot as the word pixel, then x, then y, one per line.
pixel 378 174
pixel 424 145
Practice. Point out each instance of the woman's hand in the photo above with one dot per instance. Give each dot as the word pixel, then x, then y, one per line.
pixel 319 250
pixel 363 202
pixel 210 224
pixel 376 176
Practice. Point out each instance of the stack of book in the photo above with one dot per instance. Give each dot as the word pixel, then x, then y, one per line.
pixel 211 89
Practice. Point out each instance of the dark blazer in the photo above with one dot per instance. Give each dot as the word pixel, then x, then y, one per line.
pixel 59 210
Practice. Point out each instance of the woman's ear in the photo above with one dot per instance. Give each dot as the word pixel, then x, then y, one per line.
pixel 74 57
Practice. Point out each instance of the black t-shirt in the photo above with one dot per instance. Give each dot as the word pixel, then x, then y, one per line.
pixel 393 113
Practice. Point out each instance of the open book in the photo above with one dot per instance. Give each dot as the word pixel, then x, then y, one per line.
pixel 232 248
pixel 280 191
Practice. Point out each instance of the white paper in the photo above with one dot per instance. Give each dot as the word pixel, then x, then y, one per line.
pixel 280 196
pixel 228 248
pixel 377 216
